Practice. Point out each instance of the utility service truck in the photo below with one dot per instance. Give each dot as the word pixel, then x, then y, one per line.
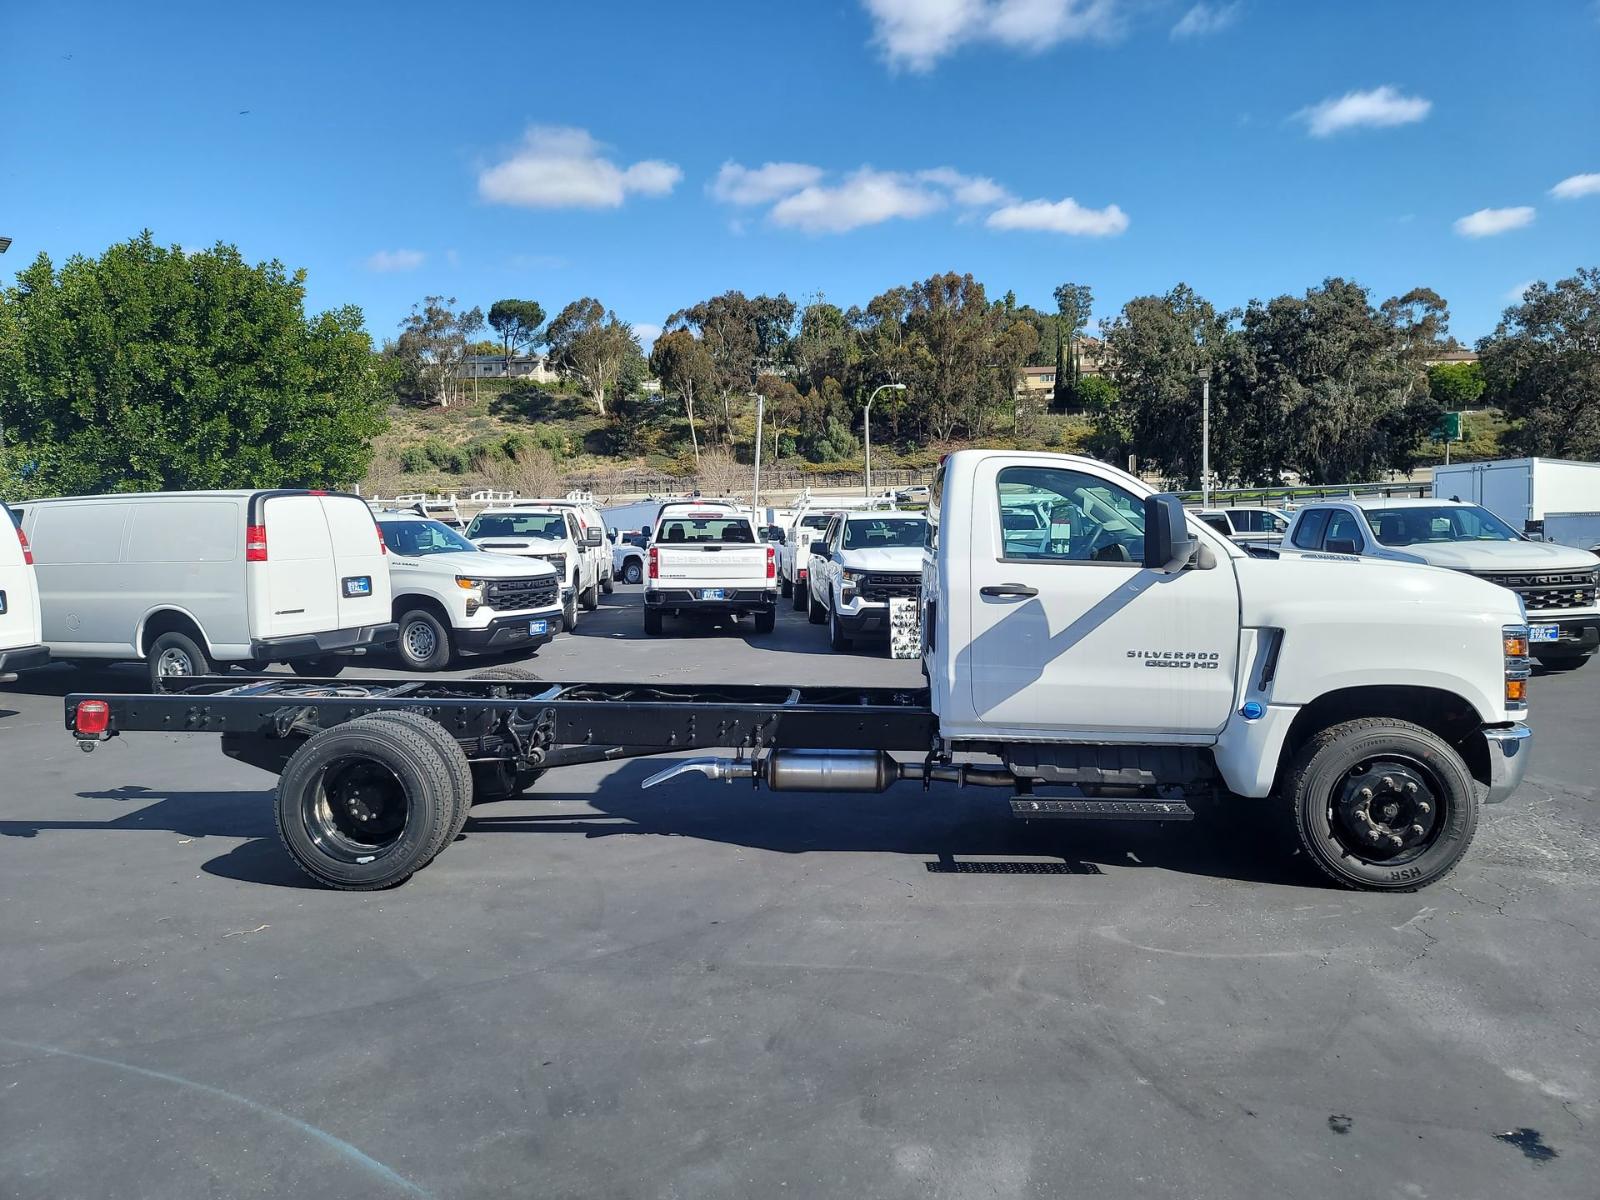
pixel 1126 665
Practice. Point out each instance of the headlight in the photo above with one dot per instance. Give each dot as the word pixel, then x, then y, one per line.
pixel 468 585
pixel 853 577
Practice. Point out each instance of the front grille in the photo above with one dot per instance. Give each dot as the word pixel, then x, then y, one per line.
pixel 558 561
pixel 511 595
pixel 1548 591
pixel 881 588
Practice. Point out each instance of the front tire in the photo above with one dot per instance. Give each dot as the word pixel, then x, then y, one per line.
pixel 815 613
pixel 1382 805
pixel 837 638
pixel 424 643
pixel 590 599
pixel 569 610
pixel 174 655
pixel 632 571
pixel 608 585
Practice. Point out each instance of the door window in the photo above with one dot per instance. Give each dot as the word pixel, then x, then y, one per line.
pixel 1343 526
pixel 1220 524
pixel 1308 533
pixel 1050 514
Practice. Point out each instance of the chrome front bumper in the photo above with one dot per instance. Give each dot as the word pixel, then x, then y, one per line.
pixel 1509 747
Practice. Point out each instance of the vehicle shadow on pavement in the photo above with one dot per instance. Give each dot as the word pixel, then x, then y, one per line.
pixel 259 858
pixel 956 832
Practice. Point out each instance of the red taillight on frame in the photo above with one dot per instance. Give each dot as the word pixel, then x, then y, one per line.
pixel 92 718
pixel 654 571
pixel 772 563
pixel 255 543
pixel 27 551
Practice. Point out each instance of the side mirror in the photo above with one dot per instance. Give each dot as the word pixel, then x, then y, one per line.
pixel 819 551
pixel 1168 544
pixel 1340 546
pixel 594 536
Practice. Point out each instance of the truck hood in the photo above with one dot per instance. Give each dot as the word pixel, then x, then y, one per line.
pixel 885 558
pixel 521 545
pixel 1502 556
pixel 476 566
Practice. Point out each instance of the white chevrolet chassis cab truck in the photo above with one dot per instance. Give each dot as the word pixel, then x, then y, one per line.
pixel 1108 658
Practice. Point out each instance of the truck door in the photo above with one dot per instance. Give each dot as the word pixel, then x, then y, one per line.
pixel 1070 634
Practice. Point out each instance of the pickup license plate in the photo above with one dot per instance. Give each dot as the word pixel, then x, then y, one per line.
pixel 1544 633
pixel 538 628
pixel 358 585
pixel 712 594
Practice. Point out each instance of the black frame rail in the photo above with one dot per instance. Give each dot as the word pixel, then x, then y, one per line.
pixel 586 721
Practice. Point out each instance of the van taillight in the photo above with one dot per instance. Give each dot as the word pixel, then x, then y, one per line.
pixel 27 552
pixel 655 565
pixel 772 563
pixel 92 717
pixel 383 546
pixel 255 543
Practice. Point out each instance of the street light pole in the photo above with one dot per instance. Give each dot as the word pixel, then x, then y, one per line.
pixel 867 425
pixel 1205 442
pixel 755 498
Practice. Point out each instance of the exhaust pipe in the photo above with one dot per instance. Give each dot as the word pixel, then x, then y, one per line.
pixel 833 771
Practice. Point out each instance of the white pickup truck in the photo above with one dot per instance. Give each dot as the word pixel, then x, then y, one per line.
pixel 705 559
pixel 794 555
pixel 862 561
pixel 552 534
pixel 1124 662
pixel 1556 584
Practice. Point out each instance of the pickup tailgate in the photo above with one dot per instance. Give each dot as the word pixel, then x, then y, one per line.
pixel 741 565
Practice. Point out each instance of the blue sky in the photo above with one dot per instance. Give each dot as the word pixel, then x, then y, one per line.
pixel 617 150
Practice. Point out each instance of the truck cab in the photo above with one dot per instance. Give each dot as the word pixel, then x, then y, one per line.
pixel 452 598
pixel 862 562
pixel 1247 526
pixel 548 533
pixel 794 556
pixel 706 560
pixel 1555 584
pixel 21 635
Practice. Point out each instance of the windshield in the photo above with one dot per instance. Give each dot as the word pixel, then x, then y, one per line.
pixel 879 533
pixel 1455 523
pixel 815 521
pixel 422 537
pixel 685 530
pixel 529 525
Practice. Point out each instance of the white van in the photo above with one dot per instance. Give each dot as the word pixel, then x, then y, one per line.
pixel 21 640
pixel 188 580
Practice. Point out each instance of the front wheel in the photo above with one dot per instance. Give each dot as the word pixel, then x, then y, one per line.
pixel 424 643
pixel 837 638
pixel 815 613
pixel 632 571
pixel 590 599
pixel 608 585
pixel 569 611
pixel 1381 804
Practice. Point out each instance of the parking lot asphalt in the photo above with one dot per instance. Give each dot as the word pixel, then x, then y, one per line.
pixel 704 991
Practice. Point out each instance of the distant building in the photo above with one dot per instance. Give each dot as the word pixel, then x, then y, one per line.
pixel 535 367
pixel 1038 383
pixel 1451 356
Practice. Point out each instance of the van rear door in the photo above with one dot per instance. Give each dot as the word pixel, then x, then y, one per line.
pixel 359 561
pixel 297 587
pixel 19 593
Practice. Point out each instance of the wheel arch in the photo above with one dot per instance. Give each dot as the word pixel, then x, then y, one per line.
pixel 422 600
pixel 1437 710
pixel 169 618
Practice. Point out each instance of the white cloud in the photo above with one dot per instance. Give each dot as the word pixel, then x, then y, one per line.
pixel 647 332
pixel 561 167
pixel 1063 216
pixel 1487 222
pixel 1574 186
pixel 1515 294
pixel 1204 19
pixel 917 33
pixel 864 197
pixel 736 184
pixel 396 260
pixel 1378 108
pixel 973 191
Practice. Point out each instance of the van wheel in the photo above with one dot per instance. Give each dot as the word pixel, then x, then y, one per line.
pixel 365 804
pixel 652 622
pixel 1382 805
pixel 800 594
pixel 424 642
pixel 836 635
pixel 173 655
pixel 767 621
pixel 815 613
pixel 324 666
pixel 590 597
pixel 450 754
pixel 632 571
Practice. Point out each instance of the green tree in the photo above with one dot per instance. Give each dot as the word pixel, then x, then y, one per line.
pixel 593 346
pixel 149 368
pixel 686 373
pixel 1074 305
pixel 517 322
pixel 431 348
pixel 745 337
pixel 1542 366
pixel 1456 386
pixel 956 373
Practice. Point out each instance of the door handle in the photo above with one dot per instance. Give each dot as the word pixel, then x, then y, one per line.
pixel 1002 590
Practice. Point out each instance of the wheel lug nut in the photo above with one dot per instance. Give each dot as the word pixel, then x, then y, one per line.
pixel 1396 840
pixel 1424 807
pixel 1412 788
pixel 1416 831
pixel 1388 782
pixel 1374 834
pixel 1365 793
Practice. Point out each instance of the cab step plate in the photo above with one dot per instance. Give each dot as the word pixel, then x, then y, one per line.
pixel 1101 810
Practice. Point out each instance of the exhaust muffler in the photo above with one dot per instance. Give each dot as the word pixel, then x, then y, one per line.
pixel 832 771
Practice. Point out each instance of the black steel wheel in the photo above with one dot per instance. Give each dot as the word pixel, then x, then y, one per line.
pixel 450 754
pixel 1382 804
pixel 365 804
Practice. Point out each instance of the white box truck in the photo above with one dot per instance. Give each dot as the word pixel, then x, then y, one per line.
pixel 1522 491
pixel 187 580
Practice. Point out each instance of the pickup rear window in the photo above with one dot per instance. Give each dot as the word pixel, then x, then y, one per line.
pixel 689 530
pixel 539 525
